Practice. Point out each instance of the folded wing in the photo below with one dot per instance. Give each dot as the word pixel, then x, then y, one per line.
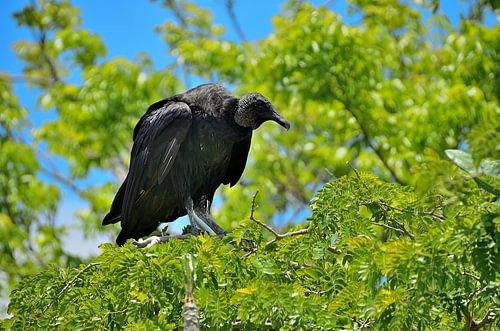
pixel 156 144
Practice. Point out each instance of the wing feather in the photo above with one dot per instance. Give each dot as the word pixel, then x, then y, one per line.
pixel 156 144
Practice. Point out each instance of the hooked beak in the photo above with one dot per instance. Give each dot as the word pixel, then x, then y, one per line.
pixel 280 120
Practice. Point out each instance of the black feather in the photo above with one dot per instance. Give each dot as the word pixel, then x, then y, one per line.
pixel 185 146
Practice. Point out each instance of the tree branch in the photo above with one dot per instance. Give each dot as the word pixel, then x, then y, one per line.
pixel 22 78
pixel 465 273
pixel 53 172
pixel 50 64
pixel 388 227
pixel 71 282
pixel 172 4
pixel 63 180
pixel 368 141
pixel 234 20
pixel 433 215
pixel 277 236
pixel 191 314
pixel 473 325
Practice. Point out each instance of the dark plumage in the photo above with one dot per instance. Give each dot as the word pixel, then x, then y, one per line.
pixel 184 147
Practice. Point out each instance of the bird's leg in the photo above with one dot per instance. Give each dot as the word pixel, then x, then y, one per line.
pixel 203 210
pixel 196 222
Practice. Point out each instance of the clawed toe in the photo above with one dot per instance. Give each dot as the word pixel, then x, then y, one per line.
pixel 151 241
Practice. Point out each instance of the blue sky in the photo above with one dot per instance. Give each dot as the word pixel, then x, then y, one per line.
pixel 127 28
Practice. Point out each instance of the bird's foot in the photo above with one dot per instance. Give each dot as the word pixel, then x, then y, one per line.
pixel 153 240
pixel 149 242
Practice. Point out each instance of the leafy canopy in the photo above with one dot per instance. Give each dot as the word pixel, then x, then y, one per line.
pixel 373 254
pixel 390 93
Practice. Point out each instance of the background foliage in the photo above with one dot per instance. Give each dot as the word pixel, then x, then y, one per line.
pixel 390 93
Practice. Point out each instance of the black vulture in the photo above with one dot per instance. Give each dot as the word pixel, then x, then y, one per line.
pixel 185 147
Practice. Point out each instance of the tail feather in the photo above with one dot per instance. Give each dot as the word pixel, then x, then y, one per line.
pixel 115 213
pixel 110 218
pixel 122 238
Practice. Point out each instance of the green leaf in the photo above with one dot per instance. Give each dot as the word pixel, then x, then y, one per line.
pixel 490 168
pixel 462 159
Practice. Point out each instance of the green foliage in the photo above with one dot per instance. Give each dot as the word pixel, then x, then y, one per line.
pixel 392 94
pixel 374 254
pixel 28 237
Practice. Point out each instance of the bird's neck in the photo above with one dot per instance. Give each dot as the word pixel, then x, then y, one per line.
pixel 243 116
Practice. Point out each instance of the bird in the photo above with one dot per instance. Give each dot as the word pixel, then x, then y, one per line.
pixel 184 148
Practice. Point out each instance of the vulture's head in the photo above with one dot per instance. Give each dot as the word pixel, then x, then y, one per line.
pixel 254 109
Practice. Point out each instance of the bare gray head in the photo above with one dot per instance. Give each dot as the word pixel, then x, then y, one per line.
pixel 254 109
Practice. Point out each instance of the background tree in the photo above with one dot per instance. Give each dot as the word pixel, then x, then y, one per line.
pixel 388 93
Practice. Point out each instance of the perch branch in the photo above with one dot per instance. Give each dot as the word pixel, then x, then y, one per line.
pixel 153 240
pixel 277 236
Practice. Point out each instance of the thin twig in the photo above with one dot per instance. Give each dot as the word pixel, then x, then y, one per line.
pixel 234 19
pixel 474 293
pixel 277 236
pixel 489 317
pixel 357 175
pixel 53 172
pixel 22 78
pixel 153 240
pixel 294 215
pixel 334 250
pixel 60 178
pixel 52 68
pixel 388 227
pixel 368 141
pixel 405 230
pixel 65 288
pixel 309 292
pixel 439 218
pixel 435 216
pixel 267 227
pixel 465 273
pixel 179 14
